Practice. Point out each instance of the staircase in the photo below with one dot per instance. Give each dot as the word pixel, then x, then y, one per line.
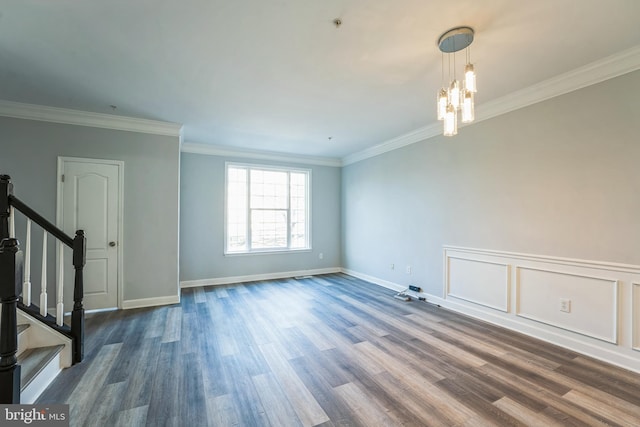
pixel 34 344
pixel 42 354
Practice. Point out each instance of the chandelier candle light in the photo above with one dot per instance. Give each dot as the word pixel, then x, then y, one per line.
pixel 453 98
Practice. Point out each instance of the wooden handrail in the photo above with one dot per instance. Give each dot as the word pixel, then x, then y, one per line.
pixel 40 220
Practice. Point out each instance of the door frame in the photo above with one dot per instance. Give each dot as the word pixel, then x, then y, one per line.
pixel 120 219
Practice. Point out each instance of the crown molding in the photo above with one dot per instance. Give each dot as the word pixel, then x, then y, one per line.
pixel 217 150
pixel 604 69
pixel 417 135
pixel 43 113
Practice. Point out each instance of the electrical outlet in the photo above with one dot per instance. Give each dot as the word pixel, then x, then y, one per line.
pixel 408 269
pixel 565 305
pixel 392 266
pixel 321 255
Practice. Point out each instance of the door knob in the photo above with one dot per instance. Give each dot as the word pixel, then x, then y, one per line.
pixel 112 244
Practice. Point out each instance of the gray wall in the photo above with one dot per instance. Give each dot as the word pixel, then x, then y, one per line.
pixel 29 151
pixel 202 223
pixel 558 178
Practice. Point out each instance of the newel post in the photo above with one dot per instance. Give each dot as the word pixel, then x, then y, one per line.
pixel 11 263
pixel 77 315
pixel 6 189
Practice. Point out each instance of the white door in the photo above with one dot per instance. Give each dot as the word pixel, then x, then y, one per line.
pixel 89 199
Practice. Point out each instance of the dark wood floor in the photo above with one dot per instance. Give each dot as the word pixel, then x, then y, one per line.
pixel 329 351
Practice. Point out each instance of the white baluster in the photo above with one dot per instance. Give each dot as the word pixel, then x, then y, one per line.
pixel 43 280
pixel 59 291
pixel 26 286
pixel 12 223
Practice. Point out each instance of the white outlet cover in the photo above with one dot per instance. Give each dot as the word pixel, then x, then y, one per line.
pixel 565 305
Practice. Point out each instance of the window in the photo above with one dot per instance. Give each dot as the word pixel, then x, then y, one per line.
pixel 267 209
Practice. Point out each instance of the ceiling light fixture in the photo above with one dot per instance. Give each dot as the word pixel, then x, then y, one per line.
pixel 454 97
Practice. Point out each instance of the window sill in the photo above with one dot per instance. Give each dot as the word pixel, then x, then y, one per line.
pixel 268 252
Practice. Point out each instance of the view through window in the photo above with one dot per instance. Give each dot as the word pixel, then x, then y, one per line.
pixel 267 209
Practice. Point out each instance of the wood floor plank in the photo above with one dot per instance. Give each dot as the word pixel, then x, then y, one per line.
pixel 556 403
pixel 414 381
pixel 307 408
pixel 526 415
pixel 422 408
pixel 456 337
pixel 328 351
pixel 173 325
pixel 132 417
pixel 110 405
pixel 407 327
pixel 624 415
pixel 85 395
pixel 167 385
pixel 336 410
pixel 310 330
pixel 221 411
pixel 245 396
pixel 141 374
pixel 274 400
pixel 200 296
pixel 367 411
pixel 465 394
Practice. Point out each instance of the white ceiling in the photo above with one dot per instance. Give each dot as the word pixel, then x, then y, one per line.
pixel 277 75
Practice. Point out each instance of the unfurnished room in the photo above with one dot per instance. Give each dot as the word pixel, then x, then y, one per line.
pixel 320 213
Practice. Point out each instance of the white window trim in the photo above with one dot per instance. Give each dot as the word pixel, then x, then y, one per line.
pixel 275 250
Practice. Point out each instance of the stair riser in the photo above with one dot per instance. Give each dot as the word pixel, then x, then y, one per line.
pixel 23 341
pixel 41 381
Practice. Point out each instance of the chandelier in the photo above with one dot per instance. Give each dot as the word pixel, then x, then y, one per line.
pixel 455 97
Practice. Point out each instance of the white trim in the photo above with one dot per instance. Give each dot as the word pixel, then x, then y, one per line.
pixel 613 338
pixel 216 150
pixel 384 283
pixel 257 277
pixel 59 208
pixel 151 302
pixel 599 265
pixel 417 135
pixel 635 317
pixel 85 118
pixel 507 285
pixel 604 69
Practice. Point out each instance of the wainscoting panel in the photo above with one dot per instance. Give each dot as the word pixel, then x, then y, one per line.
pixel 479 281
pixel 592 307
pixel 600 311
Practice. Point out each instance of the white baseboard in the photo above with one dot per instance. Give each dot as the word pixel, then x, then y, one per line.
pixel 255 277
pixel 384 283
pixel 150 302
pixel 604 352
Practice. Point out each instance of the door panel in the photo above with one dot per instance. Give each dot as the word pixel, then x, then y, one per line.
pixel 90 202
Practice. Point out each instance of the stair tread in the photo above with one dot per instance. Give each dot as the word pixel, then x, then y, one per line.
pixel 33 360
pixel 22 328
